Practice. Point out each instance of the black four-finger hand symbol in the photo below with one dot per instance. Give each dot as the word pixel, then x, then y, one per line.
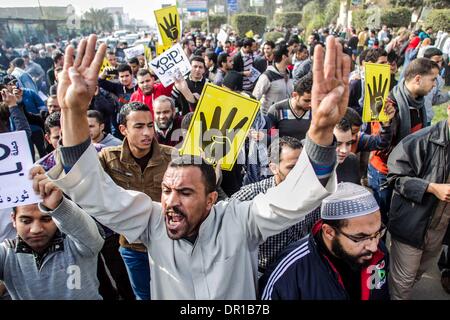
pixel 376 95
pixel 216 141
pixel 170 28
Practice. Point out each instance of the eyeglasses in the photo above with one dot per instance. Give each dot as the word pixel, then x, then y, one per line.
pixel 360 240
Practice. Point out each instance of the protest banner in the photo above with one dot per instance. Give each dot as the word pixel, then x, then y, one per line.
pixel 254 75
pixel 172 63
pixel 160 48
pixel 376 90
pixel 106 64
pixel 16 189
pixel 219 126
pixel 222 36
pixel 168 22
pixel 134 51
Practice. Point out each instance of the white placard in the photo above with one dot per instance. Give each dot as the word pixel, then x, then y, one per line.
pixel 254 74
pixel 222 36
pixel 170 63
pixel 134 51
pixel 15 164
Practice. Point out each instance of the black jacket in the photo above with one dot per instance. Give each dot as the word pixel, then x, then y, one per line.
pixel 303 272
pixel 419 159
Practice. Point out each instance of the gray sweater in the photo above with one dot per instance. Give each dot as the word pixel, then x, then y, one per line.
pixel 68 271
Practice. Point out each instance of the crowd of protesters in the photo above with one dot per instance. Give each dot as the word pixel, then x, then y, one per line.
pixel 304 212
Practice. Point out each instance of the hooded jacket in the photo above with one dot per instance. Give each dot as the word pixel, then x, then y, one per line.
pixel 272 86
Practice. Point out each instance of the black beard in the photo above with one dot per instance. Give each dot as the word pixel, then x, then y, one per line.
pixel 351 261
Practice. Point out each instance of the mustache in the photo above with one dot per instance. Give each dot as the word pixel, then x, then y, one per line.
pixel 175 210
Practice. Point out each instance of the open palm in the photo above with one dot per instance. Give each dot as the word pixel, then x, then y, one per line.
pixel 78 80
pixel 330 91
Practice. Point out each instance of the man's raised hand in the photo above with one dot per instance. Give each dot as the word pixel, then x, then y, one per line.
pixel 330 90
pixel 78 80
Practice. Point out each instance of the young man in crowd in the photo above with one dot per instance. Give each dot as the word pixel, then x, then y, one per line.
pixel 224 64
pixel 292 116
pixel 148 90
pixel 97 130
pixel 243 62
pixel 54 255
pixel 275 84
pixel 261 63
pixel 186 90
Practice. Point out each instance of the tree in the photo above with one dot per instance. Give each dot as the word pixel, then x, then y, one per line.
pixel 99 19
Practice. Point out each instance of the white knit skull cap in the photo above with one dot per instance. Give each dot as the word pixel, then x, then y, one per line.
pixel 349 201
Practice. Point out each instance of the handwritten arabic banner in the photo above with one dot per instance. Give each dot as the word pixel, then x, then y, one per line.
pixel 15 164
pixel 170 64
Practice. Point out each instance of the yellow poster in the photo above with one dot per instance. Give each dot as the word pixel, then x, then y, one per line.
pixel 168 22
pixel 219 126
pixel 106 64
pixel 249 34
pixel 148 53
pixel 160 48
pixel 376 90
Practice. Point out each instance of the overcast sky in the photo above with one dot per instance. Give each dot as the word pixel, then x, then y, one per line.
pixel 137 9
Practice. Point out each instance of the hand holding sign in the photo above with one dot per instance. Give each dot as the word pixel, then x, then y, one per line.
pixel 49 192
pixel 170 28
pixel 376 89
pixel 9 98
pixel 216 143
pixel 376 95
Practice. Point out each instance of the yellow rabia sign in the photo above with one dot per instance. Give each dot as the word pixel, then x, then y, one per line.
pixel 168 21
pixel 220 124
pixel 160 48
pixel 376 89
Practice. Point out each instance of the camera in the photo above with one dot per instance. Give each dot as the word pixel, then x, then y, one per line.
pixel 112 72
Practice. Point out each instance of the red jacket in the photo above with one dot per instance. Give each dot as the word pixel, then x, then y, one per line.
pixel 158 90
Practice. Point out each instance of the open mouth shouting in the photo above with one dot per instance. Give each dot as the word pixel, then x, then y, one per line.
pixel 175 220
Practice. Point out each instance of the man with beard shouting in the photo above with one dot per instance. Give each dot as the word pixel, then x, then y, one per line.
pixel 343 257
pixel 198 249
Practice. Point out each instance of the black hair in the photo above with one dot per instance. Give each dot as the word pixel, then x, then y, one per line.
pixel 304 85
pixel 133 60
pixel 279 52
pixel 130 107
pixel 97 115
pixel 276 147
pixel 431 52
pixel 142 72
pixel 52 121
pixel 222 58
pixel 57 56
pixel 353 117
pixel 372 55
pixel 248 42
pixel 344 125
pixel 270 43
pixel 123 67
pixel 212 56
pixel 18 62
pixel 198 59
pixel 208 174
pixel 337 224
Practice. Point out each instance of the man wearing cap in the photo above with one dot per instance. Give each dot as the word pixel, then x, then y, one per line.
pixel 342 259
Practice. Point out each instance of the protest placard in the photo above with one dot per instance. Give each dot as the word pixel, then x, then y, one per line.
pixel 376 90
pixel 168 22
pixel 222 36
pixel 170 64
pixel 134 51
pixel 15 164
pixel 254 74
pixel 219 126
pixel 160 48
